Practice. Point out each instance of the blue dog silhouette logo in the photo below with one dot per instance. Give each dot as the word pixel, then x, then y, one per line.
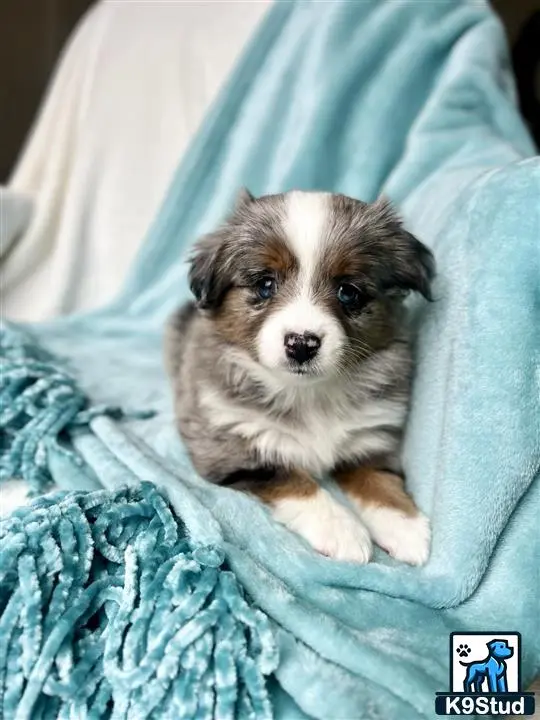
pixel 492 669
pixel 485 676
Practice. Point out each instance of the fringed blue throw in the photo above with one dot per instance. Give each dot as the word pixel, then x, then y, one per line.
pixel 108 610
pixel 411 99
pixel 39 400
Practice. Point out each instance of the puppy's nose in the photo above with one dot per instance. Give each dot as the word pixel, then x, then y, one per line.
pixel 302 348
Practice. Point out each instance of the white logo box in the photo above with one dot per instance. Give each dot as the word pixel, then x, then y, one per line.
pixel 477 644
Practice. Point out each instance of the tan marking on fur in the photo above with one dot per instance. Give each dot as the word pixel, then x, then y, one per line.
pixel 342 260
pixel 278 257
pixel 236 321
pixel 287 484
pixel 375 328
pixel 376 487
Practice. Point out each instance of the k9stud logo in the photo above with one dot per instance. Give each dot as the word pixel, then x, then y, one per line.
pixel 485 676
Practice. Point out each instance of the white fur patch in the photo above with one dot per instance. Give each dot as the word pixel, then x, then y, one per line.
pixel 316 443
pixel 404 537
pixel 327 526
pixel 300 316
pixel 305 226
pixel 306 221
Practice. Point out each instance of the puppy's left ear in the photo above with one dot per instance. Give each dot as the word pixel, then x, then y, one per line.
pixel 412 266
pixel 415 267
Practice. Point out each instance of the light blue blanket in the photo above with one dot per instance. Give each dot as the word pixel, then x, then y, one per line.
pixel 414 99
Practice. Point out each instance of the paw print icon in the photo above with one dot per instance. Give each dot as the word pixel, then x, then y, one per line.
pixel 463 650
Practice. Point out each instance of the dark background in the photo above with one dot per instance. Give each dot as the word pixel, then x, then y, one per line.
pixel 32 33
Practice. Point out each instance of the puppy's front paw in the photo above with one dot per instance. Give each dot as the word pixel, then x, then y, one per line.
pixel 405 537
pixel 327 526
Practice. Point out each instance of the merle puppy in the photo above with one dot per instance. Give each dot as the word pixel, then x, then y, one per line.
pixel 294 362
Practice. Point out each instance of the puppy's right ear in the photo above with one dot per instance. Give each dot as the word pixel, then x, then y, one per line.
pixel 244 197
pixel 211 271
pixel 242 202
pixel 208 277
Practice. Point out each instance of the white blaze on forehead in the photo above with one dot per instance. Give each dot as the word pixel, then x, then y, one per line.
pixel 306 231
pixel 306 223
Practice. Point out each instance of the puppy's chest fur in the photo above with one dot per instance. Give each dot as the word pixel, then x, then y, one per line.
pixel 314 430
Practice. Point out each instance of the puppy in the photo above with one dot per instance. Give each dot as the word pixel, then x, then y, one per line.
pixel 294 362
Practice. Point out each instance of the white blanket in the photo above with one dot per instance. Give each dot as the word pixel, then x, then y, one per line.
pixel 130 91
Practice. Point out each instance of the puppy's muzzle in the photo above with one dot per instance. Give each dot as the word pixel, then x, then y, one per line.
pixel 301 348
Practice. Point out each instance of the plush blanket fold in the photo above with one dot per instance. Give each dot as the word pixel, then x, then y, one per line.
pixel 414 100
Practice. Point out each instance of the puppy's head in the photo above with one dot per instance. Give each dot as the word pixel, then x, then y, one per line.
pixel 308 284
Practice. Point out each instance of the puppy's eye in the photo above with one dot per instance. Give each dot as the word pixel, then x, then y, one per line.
pixel 348 295
pixel 266 287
